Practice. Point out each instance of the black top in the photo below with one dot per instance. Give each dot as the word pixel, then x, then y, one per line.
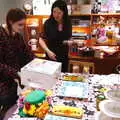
pixel 55 38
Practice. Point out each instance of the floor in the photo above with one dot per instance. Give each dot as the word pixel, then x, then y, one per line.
pixel 11 110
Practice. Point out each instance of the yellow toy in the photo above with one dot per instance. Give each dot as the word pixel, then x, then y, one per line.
pixel 68 111
pixel 48 92
pixel 29 110
pixel 42 110
pixel 74 78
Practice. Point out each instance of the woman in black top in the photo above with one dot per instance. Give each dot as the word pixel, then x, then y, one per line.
pixel 58 32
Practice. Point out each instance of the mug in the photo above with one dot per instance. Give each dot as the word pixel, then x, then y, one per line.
pixel 33 44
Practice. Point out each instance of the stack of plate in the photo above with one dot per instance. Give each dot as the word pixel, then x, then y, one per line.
pixel 40 73
pixel 110 109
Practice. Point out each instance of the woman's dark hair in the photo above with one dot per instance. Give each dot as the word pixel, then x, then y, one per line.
pixel 14 15
pixel 63 7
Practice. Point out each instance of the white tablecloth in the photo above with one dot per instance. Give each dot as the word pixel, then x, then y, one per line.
pixel 109 81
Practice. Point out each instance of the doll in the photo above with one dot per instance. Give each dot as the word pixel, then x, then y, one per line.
pixel 101 34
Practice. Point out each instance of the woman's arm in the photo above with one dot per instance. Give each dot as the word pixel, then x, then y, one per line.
pixel 50 54
pixel 6 70
pixel 44 36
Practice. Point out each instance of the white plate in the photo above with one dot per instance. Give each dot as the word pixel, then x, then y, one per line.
pixel 110 108
pixel 102 116
pixel 113 95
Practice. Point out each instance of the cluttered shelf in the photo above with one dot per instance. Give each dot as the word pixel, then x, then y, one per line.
pixel 74 15
pixel 84 27
pixel 106 14
pixel 95 65
pixel 94 57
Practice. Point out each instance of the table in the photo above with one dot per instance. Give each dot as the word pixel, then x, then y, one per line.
pixel 95 82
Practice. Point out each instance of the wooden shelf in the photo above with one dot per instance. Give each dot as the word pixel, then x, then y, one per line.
pixel 74 26
pixel 73 15
pixel 90 58
pixel 109 63
pixel 105 25
pixel 106 14
pixel 77 15
pixel 102 14
pixel 37 16
pixel 78 57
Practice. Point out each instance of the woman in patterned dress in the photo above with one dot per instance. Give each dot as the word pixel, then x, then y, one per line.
pixel 13 55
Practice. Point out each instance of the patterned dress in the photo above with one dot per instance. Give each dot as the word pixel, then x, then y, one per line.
pixel 13 55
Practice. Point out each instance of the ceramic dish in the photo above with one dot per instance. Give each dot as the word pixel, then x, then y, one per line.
pixel 102 116
pixel 110 108
pixel 113 95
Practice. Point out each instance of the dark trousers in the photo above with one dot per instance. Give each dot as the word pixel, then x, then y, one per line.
pixel 11 96
pixel 8 100
pixel 63 59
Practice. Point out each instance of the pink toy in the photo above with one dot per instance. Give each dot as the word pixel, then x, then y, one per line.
pixel 101 32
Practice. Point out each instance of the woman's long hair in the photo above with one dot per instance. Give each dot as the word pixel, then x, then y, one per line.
pixel 14 15
pixel 63 7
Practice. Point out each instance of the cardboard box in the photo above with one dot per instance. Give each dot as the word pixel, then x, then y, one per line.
pixel 41 73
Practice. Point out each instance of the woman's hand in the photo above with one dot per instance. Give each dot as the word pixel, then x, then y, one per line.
pixel 51 55
pixel 19 83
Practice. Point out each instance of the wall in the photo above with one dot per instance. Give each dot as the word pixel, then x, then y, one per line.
pixel 5 5
pixel 83 1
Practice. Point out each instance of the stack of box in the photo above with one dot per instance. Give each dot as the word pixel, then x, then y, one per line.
pixel 40 73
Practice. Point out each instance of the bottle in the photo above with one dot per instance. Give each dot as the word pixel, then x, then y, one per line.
pixel 98 100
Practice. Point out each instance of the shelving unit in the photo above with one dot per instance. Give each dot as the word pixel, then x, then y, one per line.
pixel 98 62
pixel 29 26
pixel 39 28
pixel 86 29
pixel 77 28
pixel 106 14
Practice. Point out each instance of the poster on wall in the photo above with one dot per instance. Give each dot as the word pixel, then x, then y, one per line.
pixel 42 7
pixel 110 6
pixel 106 6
